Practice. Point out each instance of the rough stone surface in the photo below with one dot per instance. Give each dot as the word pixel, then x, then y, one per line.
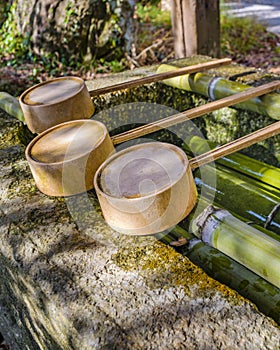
pixel 70 282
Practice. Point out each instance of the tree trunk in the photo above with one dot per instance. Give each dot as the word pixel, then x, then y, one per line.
pixel 196 27
pixel 74 29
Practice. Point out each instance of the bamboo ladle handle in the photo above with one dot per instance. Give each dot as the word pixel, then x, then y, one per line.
pixel 195 112
pixel 236 145
pixel 161 76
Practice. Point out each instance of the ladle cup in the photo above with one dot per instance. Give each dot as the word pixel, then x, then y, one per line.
pixel 64 159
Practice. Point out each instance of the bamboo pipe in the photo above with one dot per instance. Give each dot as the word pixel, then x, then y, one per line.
pixel 236 145
pixel 253 200
pixel 258 185
pixel 218 87
pixel 247 283
pixel 11 105
pixel 161 76
pixel 252 168
pixel 221 267
pixel 258 195
pixel 250 247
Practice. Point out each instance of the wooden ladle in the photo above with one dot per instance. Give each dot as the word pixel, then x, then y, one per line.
pixel 66 98
pixel 65 158
pixel 148 188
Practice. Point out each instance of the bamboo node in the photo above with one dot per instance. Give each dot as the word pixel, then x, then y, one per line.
pixel 207 221
pixel 271 215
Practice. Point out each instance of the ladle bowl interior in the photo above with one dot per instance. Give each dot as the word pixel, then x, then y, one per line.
pixel 64 159
pixel 146 188
pixel 56 101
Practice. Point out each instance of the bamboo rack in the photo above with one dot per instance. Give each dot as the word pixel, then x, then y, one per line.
pixel 252 248
pixel 253 200
pixel 161 76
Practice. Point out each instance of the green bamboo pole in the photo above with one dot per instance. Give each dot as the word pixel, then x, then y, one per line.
pixel 260 171
pixel 11 105
pixel 257 186
pixel 217 87
pixel 251 167
pixel 263 294
pixel 224 269
pixel 250 247
pixel 253 200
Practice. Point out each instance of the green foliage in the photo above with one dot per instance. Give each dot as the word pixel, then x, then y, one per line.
pixel 152 13
pixel 240 35
pixel 11 41
pixel 4 10
pixel 17 50
pixel 70 11
pixel 247 41
pixel 240 38
pixel 110 66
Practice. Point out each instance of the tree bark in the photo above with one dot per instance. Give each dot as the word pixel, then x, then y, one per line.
pixel 75 29
pixel 196 27
pixel 4 9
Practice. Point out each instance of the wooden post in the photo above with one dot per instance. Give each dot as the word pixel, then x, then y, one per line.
pixel 196 27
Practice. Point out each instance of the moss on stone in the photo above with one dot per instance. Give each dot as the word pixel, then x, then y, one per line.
pixel 13 132
pixel 162 267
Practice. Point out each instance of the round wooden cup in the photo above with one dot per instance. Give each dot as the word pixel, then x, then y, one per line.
pixel 55 101
pixel 64 159
pixel 146 188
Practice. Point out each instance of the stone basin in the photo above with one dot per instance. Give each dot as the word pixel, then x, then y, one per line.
pixel 68 281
